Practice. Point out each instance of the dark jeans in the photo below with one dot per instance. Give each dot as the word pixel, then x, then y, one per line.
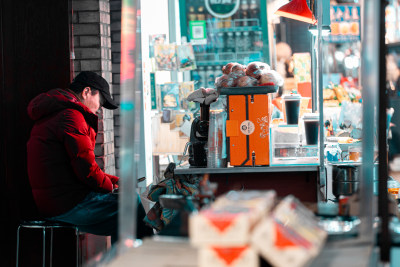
pixel 98 214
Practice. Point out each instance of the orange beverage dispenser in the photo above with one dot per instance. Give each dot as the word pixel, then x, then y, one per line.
pixel 247 126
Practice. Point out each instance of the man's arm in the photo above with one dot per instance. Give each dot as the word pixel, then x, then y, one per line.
pixel 80 148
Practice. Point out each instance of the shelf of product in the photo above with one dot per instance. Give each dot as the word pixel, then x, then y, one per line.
pixel 222 33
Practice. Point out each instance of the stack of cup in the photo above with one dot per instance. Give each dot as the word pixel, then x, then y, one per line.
pixel 216 150
pixel 311 128
pixel 292 108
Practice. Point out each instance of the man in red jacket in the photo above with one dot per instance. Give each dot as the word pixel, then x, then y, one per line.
pixel 67 183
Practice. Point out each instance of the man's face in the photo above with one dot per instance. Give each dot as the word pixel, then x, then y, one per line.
pixel 92 99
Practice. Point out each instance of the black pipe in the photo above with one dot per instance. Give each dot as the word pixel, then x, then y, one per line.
pixel 382 134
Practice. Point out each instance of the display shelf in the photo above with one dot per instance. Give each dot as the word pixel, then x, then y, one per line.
pixel 261 169
pixel 236 29
pixel 223 58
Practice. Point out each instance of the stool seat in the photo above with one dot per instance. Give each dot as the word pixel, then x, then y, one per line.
pixel 44 225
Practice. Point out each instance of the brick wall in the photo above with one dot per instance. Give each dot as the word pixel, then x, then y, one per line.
pixel 92 47
pixel 115 14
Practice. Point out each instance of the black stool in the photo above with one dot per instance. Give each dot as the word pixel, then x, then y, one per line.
pixel 44 225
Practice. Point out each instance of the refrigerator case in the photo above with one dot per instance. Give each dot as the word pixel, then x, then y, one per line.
pixel 235 31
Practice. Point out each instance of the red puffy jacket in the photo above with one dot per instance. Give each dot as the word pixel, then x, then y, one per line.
pixel 61 162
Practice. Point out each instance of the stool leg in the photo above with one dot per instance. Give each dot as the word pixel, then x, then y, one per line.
pixel 51 246
pixel 19 227
pixel 77 246
pixel 44 246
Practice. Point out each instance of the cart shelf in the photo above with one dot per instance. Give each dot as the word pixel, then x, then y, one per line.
pixel 261 169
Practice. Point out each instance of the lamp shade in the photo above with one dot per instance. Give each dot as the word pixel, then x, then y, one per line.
pixel 298 10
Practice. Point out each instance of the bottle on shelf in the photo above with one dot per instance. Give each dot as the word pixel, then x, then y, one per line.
pixel 211 20
pixel 257 40
pixel 229 42
pixel 244 13
pixel 228 22
pixel 203 76
pixel 200 13
pixel 247 42
pixel 196 78
pixel 254 10
pixel 235 17
pixel 192 15
pixel 217 71
pixel 219 42
pixel 220 23
pixel 210 42
pixel 210 77
pixel 239 42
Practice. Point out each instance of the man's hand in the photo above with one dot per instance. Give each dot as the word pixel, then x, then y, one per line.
pixel 114 180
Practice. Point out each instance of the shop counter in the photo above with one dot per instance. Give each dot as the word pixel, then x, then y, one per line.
pixel 298 180
pixel 300 168
pixel 177 252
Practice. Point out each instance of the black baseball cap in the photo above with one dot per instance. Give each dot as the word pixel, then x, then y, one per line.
pixel 95 81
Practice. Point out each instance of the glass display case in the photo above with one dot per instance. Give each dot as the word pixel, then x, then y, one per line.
pixel 289 148
pixel 223 33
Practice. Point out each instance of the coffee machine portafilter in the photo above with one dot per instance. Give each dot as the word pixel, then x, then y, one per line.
pixel 199 130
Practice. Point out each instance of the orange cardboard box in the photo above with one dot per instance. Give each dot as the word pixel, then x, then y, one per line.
pixel 247 128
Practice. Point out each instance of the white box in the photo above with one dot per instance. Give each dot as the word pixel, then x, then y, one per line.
pixel 243 256
pixel 291 236
pixel 227 226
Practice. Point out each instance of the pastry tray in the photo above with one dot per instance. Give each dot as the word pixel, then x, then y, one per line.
pixel 253 90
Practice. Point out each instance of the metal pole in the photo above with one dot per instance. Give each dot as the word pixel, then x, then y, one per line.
pixel 370 84
pixel 314 89
pixel 383 157
pixel 322 173
pixel 131 92
pixel 173 30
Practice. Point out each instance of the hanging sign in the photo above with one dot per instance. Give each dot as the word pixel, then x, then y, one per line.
pixel 345 23
pixel 222 8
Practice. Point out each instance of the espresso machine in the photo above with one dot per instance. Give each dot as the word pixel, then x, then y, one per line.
pixel 199 137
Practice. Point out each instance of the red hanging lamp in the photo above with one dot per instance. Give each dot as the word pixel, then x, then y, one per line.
pixel 297 10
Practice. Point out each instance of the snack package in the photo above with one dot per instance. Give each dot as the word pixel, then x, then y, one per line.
pixel 225 226
pixel 290 237
pixel 271 77
pixel 170 96
pixel 341 93
pixel 186 57
pixel 302 67
pixel 165 56
pixel 185 89
pixel 260 202
pixel 231 218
